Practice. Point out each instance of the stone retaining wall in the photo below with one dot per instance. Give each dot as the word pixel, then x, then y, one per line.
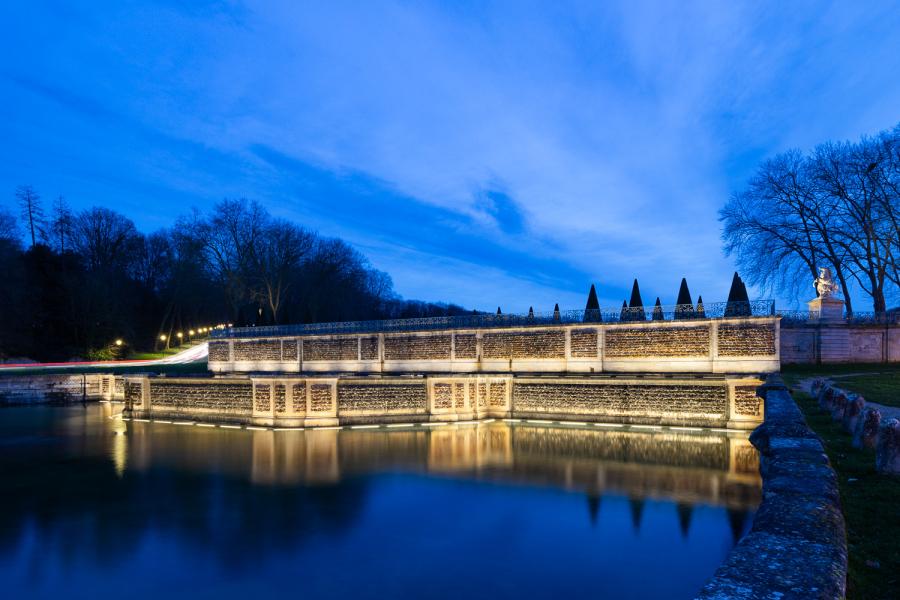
pixel 814 343
pixel 737 345
pixel 292 401
pixel 37 389
pixel 797 546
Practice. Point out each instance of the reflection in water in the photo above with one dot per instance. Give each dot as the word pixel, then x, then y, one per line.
pixel 91 494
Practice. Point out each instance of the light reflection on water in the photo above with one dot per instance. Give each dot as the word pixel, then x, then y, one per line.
pixel 94 506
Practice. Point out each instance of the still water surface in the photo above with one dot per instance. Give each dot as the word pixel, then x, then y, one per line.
pixel 97 507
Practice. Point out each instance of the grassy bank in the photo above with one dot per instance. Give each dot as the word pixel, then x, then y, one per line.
pixel 871 505
pixel 876 382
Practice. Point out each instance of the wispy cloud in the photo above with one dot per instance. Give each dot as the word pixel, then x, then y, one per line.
pixel 535 147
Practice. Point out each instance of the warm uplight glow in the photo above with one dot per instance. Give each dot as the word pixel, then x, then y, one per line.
pixel 162 338
pixel 118 342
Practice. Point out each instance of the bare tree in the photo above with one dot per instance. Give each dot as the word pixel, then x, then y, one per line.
pixel 839 207
pixel 106 240
pixel 9 228
pixel 277 258
pixel 31 210
pixel 61 224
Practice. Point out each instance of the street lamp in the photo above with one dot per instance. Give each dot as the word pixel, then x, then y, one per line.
pixel 118 342
pixel 162 337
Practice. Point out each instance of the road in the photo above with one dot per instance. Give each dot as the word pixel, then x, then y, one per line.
pixel 193 354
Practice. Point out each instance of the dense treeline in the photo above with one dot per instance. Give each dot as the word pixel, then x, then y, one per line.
pixel 73 282
pixel 837 207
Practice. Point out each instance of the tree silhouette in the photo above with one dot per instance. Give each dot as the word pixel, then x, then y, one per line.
pixel 684 306
pixel 636 304
pixel 738 304
pixel 658 311
pixel 592 308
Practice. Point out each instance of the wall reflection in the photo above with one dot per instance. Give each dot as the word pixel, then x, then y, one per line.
pixel 82 482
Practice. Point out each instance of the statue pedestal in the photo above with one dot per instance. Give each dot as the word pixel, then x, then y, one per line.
pixel 833 340
pixel 826 310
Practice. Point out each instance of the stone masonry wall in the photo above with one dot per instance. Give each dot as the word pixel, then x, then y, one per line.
pixel 257 350
pixel 583 343
pixel 466 346
pixel 385 398
pixel 417 347
pixel 526 344
pixel 290 350
pixel 342 348
pixel 661 341
pixel 203 394
pixel 643 403
pixel 218 351
pixel 746 340
pixel 746 402
pixel 368 348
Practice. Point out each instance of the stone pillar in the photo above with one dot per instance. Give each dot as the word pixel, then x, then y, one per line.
pixel 321 402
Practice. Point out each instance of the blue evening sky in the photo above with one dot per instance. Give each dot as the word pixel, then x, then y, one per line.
pixel 505 153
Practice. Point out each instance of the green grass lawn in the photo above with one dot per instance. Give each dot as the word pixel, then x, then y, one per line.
pixel 871 505
pixel 876 382
pixel 160 354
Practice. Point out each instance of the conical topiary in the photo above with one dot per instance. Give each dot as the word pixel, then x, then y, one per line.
pixel 658 311
pixel 701 312
pixel 684 306
pixel 556 315
pixel 592 308
pixel 624 315
pixel 738 304
pixel 531 312
pixel 498 311
pixel 636 304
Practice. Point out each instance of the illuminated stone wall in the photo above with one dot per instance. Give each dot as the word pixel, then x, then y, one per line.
pixel 657 341
pixel 417 347
pixel 233 396
pixel 524 344
pixel 746 340
pixel 708 402
pixel 740 345
pixel 631 402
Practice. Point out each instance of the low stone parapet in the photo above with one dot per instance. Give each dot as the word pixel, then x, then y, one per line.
pixel 797 546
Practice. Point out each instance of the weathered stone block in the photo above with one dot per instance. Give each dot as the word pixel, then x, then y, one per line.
pixel 852 413
pixel 583 343
pixel 466 346
pixel 866 433
pixel 887 453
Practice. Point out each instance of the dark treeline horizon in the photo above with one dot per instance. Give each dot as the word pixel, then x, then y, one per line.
pixel 74 282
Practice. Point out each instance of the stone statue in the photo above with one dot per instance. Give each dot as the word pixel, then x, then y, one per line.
pixel 825 285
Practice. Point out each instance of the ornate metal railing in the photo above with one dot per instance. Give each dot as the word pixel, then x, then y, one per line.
pixel 801 317
pixel 712 310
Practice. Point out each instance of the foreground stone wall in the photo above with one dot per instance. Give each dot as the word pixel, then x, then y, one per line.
pixel 742 345
pixel 291 401
pixel 797 546
pixel 37 389
pixel 814 343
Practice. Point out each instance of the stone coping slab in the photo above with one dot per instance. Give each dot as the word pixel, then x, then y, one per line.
pixel 797 547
